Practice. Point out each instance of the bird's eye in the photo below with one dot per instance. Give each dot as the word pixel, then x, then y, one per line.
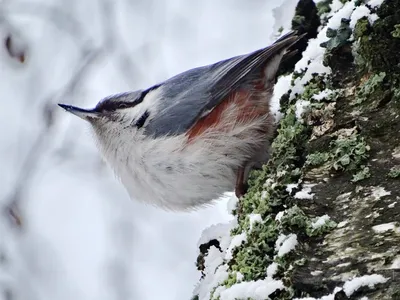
pixel 123 105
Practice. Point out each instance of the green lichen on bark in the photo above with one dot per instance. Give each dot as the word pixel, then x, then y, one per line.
pixel 396 31
pixel 324 7
pixel 295 220
pixel 362 28
pixel 247 259
pixel 347 151
pixel 377 46
pixel 338 48
pixel 337 37
pixel 267 195
pixel 368 104
pixel 347 145
pixel 270 183
pixel 373 85
pixel 318 158
pixel 362 174
pixel 394 172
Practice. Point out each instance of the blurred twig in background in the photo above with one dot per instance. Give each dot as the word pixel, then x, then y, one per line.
pixel 89 57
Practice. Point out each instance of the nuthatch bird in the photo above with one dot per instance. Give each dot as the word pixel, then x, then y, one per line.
pixel 182 143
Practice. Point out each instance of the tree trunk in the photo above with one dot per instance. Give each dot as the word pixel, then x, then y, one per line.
pixel 323 216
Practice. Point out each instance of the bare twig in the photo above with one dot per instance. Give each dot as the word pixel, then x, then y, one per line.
pixel 55 15
pixel 38 147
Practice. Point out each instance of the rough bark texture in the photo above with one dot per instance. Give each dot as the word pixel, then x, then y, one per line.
pixel 347 151
pixel 367 113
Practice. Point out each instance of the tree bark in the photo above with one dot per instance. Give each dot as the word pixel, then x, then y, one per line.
pixel 334 176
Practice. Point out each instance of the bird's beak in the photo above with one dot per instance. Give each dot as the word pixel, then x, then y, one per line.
pixel 85 114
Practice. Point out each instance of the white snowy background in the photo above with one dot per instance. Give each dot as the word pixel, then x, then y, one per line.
pixel 82 238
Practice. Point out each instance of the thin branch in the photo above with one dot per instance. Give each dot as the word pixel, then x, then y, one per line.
pixel 34 157
pixel 55 15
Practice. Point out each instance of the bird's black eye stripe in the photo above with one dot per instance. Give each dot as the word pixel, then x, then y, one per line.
pixel 140 122
pixel 115 102
pixel 112 105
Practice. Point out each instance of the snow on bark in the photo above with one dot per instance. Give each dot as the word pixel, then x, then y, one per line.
pixel 327 201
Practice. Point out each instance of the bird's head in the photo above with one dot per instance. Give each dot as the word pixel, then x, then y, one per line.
pixel 123 111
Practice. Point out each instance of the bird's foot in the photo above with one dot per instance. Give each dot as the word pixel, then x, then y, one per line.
pixel 241 189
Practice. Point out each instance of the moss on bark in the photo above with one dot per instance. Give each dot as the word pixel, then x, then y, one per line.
pixel 347 151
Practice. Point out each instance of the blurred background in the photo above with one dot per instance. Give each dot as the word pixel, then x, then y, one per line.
pixel 77 235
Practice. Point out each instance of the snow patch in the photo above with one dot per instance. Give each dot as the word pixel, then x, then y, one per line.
pixel 379 192
pixel 311 62
pixel 285 243
pixel 367 280
pixel 396 263
pixel 301 108
pixel 213 259
pixel 280 88
pixel 327 297
pixel 257 290
pixel 291 186
pixel 322 95
pixel 239 276
pixel 253 218
pixel 385 227
pixel 360 12
pixel 212 279
pixel 321 221
pixel 352 286
pixel 236 241
pixel 305 193
pixel 220 232
pixel 312 59
pixel 271 269
pixel 232 202
pixel 279 215
pixel 345 12
pixel 375 3
pixel 316 273
pixel 336 5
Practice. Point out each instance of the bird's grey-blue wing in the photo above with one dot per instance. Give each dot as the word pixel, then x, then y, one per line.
pixel 192 94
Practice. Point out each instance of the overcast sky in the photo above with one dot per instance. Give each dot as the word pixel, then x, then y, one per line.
pixel 84 238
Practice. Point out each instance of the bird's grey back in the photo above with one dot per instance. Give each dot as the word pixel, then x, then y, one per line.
pixel 188 95
pixel 184 97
